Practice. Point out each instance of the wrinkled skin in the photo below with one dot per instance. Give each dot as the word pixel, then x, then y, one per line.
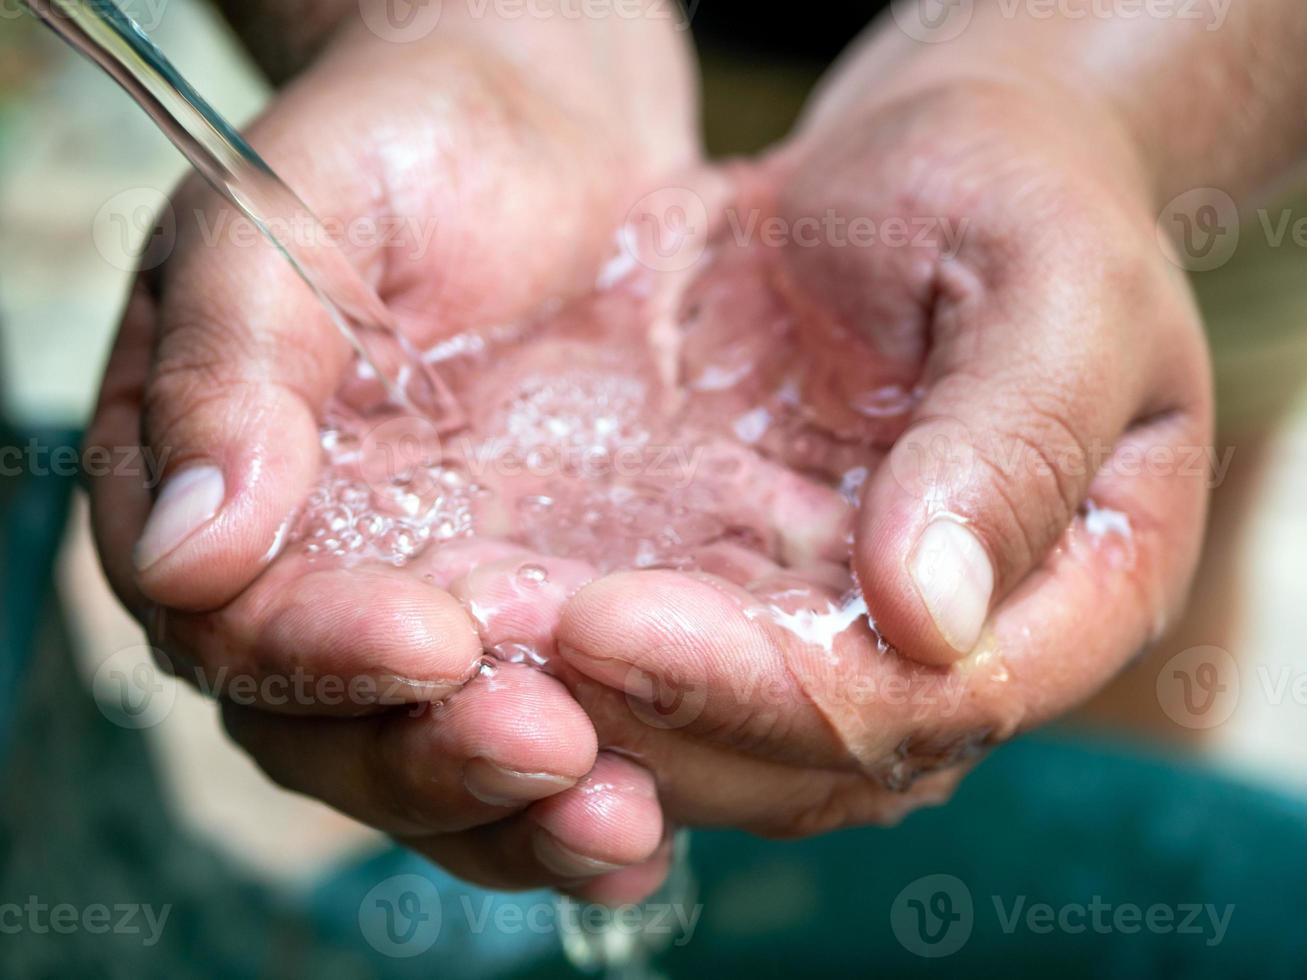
pixel 1057 324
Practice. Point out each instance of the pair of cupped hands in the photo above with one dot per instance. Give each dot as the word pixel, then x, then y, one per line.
pixel 1054 342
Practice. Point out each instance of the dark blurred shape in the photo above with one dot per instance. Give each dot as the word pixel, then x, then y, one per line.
pixel 812 32
pixel 759 62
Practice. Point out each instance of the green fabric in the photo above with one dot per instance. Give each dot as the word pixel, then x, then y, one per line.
pixel 1057 823
pixel 32 513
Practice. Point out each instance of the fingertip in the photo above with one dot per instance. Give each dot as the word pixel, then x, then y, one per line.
pixel 186 502
pixel 954 578
pixel 625 616
pixel 626 885
pixel 564 861
pixel 375 621
pixel 233 476
pixel 610 820
pixel 927 578
pixel 518 721
pixel 496 785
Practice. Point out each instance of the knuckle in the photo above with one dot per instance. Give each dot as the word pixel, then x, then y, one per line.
pixel 203 358
pixel 1037 472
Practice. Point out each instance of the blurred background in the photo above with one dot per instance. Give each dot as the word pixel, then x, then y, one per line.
pixel 1143 798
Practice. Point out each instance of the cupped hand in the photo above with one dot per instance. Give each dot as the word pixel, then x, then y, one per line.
pixel 1033 523
pixel 946 425
pixel 470 187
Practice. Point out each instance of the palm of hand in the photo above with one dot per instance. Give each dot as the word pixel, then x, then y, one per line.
pixel 707 423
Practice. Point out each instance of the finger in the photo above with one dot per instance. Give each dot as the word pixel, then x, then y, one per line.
pixel 1131 550
pixel 244 361
pixel 734 563
pixel 1037 344
pixel 313 639
pixel 716 684
pixel 631 884
pixel 710 784
pixel 609 821
pixel 784 671
pixel 1001 451
pixel 498 745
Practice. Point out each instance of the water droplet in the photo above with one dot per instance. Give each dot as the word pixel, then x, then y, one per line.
pixel 532 575
pixel 884 402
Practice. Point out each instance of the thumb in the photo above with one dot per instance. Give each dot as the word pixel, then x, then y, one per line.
pixel 245 358
pixel 243 363
pixel 1028 386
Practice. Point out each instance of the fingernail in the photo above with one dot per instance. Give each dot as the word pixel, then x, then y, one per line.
pixel 565 862
pixel 497 786
pixel 956 580
pixel 186 503
pixel 392 689
pixel 613 673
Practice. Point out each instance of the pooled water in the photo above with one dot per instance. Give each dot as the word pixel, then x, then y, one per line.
pixel 598 438
pixel 699 423
pixel 597 435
